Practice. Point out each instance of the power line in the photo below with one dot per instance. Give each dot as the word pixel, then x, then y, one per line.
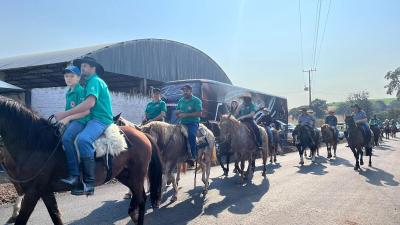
pixel 317 20
pixel 323 33
pixel 301 37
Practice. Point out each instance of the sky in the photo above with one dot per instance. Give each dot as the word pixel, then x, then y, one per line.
pixel 260 44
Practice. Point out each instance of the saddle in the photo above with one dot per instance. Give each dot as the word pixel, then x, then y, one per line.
pixel 109 145
pixel 201 137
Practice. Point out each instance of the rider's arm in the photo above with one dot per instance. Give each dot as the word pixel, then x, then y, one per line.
pixel 76 116
pixel 86 105
pixel 159 117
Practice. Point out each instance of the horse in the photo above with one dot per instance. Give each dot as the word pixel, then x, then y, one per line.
pixel 387 131
pixel 242 144
pixel 377 134
pixel 35 145
pixel 357 142
pixel 223 148
pixel 172 141
pixel 305 140
pixel 9 165
pixel 330 139
pixel 393 131
pixel 274 145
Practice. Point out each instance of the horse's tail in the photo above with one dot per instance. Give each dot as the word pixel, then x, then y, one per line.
pixel 155 173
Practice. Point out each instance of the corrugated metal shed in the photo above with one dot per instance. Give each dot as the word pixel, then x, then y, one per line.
pixel 156 60
pixel 6 87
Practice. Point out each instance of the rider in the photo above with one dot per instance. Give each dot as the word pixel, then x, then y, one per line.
pixel 98 101
pixel 308 121
pixel 189 112
pixel 331 120
pixel 246 111
pixel 360 117
pixel 375 122
pixel 266 121
pixel 156 109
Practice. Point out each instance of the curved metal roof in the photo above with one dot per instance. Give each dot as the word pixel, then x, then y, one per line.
pixel 154 59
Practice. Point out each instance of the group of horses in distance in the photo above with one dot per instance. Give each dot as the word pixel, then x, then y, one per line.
pixel 156 154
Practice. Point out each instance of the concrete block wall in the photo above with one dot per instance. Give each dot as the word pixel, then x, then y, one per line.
pixel 47 101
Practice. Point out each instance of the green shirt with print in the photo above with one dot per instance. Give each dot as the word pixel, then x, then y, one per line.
pixel 191 105
pixel 154 109
pixel 246 110
pixel 102 110
pixel 74 97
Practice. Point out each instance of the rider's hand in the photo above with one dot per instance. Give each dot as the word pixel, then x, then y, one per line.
pixel 65 121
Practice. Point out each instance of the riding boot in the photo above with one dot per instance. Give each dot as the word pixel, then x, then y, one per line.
pixel 71 180
pixel 87 187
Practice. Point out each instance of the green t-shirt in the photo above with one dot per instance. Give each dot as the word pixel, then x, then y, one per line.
pixel 75 97
pixel 245 110
pixel 154 109
pixel 102 110
pixel 190 106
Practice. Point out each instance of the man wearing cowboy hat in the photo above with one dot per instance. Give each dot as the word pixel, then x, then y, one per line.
pixel 189 112
pixel 98 101
pixel 247 110
pixel 361 119
pixel 331 120
pixel 306 119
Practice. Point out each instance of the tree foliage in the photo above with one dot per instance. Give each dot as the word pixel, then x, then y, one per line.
pixel 393 87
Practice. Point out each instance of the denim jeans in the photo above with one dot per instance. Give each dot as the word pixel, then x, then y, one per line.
pixel 192 132
pixel 85 136
pixel 366 132
pixel 270 135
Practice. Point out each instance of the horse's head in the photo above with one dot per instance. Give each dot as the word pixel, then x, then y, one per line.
pixel 349 120
pixel 227 125
pixel 118 120
pixel 214 127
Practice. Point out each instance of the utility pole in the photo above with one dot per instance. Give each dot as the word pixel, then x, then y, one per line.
pixel 309 84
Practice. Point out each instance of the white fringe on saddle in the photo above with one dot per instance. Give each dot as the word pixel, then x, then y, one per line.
pixel 111 142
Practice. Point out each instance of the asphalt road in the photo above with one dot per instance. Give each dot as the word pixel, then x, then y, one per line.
pixel 324 192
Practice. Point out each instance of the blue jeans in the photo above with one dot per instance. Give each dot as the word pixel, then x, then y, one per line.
pixel 366 132
pixel 85 136
pixel 192 132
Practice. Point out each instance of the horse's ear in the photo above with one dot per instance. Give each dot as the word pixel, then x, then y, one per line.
pixel 117 117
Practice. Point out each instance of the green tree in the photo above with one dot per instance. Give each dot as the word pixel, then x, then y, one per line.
pixel 319 107
pixel 361 99
pixel 379 106
pixel 393 87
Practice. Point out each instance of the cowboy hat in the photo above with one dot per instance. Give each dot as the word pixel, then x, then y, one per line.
pixel 331 111
pixel 310 111
pixel 92 62
pixel 246 95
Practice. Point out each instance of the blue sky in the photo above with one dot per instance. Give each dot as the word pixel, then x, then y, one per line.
pixel 257 43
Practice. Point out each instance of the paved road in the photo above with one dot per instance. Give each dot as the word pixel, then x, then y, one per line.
pixel 326 192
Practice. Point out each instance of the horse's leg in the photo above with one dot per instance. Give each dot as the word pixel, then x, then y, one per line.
pixel 355 153
pixel 272 153
pixel 138 200
pixel 265 158
pixel 250 170
pixel 334 149
pixel 51 204
pixel 361 154
pixel 172 177
pixel 275 151
pixel 328 148
pixel 16 209
pixel 301 150
pixel 370 160
pixel 206 165
pixel 28 204
pixel 242 170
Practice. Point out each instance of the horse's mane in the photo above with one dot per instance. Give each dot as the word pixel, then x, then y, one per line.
pixel 232 119
pixel 18 119
pixel 163 129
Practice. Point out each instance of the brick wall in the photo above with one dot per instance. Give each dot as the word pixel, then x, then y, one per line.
pixel 46 101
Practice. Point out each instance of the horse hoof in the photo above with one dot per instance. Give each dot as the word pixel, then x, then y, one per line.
pixel 205 191
pixel 275 160
pixel 264 174
pixel 369 164
pixel 11 220
pixel 362 163
pixel 155 205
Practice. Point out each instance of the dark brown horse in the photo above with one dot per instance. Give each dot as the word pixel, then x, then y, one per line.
pixel 34 145
pixel 9 165
pixel 330 139
pixel 357 142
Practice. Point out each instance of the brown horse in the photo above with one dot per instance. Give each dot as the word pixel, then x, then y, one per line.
pixel 40 162
pixel 171 140
pixel 274 145
pixel 9 165
pixel 330 139
pixel 242 144
pixel 356 142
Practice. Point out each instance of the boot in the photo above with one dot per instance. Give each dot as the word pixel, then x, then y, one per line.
pixel 71 180
pixel 88 170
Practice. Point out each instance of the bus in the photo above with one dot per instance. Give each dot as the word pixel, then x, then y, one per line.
pixel 217 98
